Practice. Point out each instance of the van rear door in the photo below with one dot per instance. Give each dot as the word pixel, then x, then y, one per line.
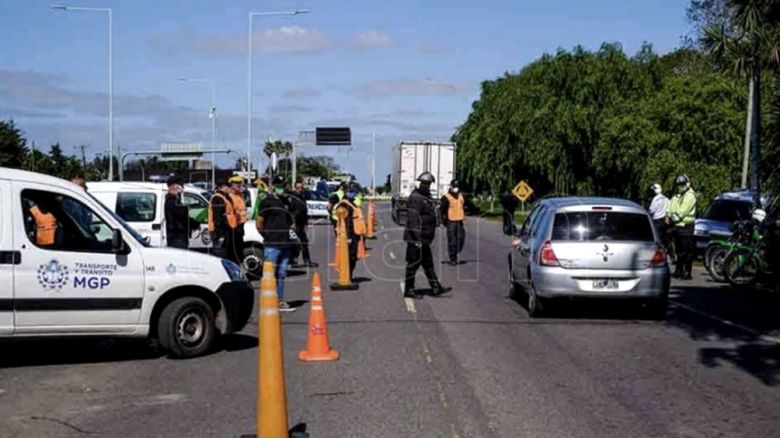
pixel 8 258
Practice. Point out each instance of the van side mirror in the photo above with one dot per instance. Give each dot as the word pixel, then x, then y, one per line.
pixel 117 243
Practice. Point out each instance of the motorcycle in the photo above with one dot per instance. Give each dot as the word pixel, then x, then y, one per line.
pixel 717 250
pixel 745 264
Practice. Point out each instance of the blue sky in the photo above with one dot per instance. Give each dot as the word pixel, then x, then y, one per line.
pixel 404 69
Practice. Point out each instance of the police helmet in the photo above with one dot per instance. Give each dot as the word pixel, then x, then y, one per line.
pixel 682 180
pixel 426 177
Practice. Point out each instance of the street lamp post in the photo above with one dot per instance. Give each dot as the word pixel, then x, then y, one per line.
pixel 110 77
pixel 213 117
pixel 252 15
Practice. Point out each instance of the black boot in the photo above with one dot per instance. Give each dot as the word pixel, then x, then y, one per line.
pixel 410 292
pixel 437 289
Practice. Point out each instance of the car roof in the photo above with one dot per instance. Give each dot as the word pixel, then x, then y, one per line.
pixel 737 195
pixel 23 175
pixel 574 201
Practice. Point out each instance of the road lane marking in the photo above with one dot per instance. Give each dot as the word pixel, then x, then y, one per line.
pixel 409 302
pixel 746 329
pixel 392 255
pixel 384 236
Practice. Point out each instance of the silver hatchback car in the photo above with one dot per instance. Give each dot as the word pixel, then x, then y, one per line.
pixel 588 247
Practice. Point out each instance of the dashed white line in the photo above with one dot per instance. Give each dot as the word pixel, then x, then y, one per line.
pixel 384 236
pixel 409 302
pixel 765 338
pixel 392 255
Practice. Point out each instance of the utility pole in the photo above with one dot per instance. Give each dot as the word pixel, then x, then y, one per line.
pixel 83 159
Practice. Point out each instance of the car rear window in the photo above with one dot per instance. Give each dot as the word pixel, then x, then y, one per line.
pixel 589 226
pixel 724 210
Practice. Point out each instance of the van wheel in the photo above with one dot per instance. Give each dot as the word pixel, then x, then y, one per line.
pixel 253 262
pixel 186 327
pixel 534 306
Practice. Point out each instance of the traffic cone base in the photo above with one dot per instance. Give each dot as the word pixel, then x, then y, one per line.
pixel 305 356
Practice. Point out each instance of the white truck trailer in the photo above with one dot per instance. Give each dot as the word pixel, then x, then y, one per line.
pixel 410 159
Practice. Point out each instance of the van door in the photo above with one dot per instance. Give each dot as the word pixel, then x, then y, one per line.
pixel 69 279
pixel 8 259
pixel 144 211
pixel 197 207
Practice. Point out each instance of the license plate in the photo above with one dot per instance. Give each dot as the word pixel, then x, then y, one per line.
pixel 605 284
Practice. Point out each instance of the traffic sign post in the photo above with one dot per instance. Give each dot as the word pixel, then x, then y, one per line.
pixel 523 191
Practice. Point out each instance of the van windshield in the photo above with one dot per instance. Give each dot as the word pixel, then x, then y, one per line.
pixel 122 222
pixel 586 226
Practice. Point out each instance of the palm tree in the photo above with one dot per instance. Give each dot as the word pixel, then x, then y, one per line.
pixel 751 44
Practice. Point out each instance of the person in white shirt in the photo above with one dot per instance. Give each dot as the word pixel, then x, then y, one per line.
pixel 658 207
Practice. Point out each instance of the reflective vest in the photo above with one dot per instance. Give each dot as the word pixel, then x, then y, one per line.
pixel 340 195
pixel 230 213
pixel 240 207
pixel 455 211
pixel 358 223
pixel 45 226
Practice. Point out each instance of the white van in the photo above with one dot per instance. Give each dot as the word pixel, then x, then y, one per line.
pixel 70 266
pixel 142 206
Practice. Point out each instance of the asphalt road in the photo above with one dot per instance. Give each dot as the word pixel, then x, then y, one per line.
pixel 470 364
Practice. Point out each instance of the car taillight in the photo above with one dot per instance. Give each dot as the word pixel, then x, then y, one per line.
pixel 659 258
pixel 547 255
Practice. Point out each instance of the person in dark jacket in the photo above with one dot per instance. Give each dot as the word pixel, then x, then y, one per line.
pixel 178 226
pixel 223 222
pixel 419 233
pixel 275 223
pixel 353 239
pixel 300 212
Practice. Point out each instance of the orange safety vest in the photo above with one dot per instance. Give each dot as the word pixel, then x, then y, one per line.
pixel 230 213
pixel 358 223
pixel 45 226
pixel 240 207
pixel 455 211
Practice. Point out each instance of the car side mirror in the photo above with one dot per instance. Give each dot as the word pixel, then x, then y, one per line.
pixel 117 243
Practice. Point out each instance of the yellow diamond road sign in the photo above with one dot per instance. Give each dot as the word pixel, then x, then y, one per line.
pixel 522 191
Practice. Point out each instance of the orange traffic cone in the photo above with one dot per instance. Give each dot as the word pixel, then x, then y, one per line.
pixel 318 344
pixel 271 390
pixel 362 252
pixel 342 256
pixel 335 261
pixel 370 233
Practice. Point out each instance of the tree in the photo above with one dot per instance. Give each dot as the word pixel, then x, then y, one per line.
pixel 13 145
pixel 745 45
pixel 282 148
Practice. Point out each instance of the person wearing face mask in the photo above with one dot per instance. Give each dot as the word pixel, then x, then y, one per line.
pixel 658 206
pixel 453 215
pixel 300 212
pixel 354 223
pixel 275 223
pixel 223 222
pixel 419 232
pixel 681 216
pixel 177 219
pixel 239 204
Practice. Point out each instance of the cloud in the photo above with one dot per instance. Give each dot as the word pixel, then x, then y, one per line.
pixel 288 108
pixel 429 47
pixel 305 92
pixel 285 39
pixel 370 40
pixel 408 87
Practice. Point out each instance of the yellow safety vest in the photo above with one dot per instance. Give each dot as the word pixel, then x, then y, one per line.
pixel 230 213
pixel 45 226
pixel 455 211
pixel 240 207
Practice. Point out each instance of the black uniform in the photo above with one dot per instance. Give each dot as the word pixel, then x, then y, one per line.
pixel 456 232
pixel 418 234
pixel 177 222
pixel 353 239
pixel 300 212
pixel 509 204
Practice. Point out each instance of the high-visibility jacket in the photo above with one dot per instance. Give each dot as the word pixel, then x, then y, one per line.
pixel 240 207
pixel 340 195
pixel 230 213
pixel 455 212
pixel 358 222
pixel 45 226
pixel 682 208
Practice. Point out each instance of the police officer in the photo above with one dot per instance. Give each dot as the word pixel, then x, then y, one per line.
pixel 355 225
pixel 177 219
pixel 223 222
pixel 453 214
pixel 334 199
pixel 681 218
pixel 418 234
pixel 239 205
pixel 300 212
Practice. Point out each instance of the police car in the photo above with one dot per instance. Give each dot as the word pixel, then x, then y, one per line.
pixel 70 266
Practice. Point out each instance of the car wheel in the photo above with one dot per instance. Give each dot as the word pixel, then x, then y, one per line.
pixel 252 263
pixel 186 327
pixel 534 305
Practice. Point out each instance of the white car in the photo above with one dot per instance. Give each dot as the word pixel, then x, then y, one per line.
pixel 69 266
pixel 142 205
